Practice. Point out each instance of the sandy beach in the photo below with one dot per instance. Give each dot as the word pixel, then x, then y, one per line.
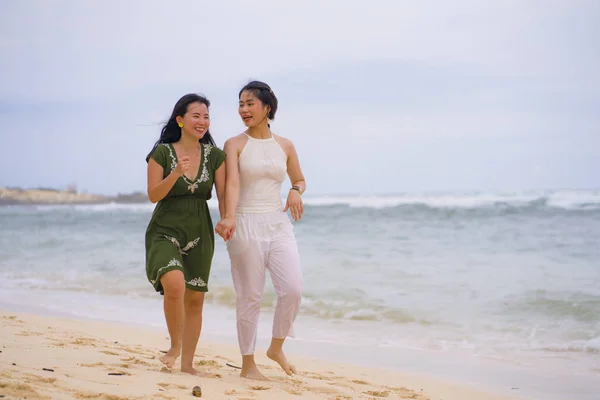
pixel 56 358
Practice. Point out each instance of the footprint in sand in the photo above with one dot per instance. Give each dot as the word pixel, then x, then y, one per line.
pixel 133 351
pixel 20 391
pixel 258 387
pixel 108 352
pixel 143 354
pixel 233 392
pixel 289 379
pixel 29 333
pixel 313 375
pixel 341 384
pixel 292 385
pixel 377 393
pixel 33 378
pixel 98 364
pixel 209 363
pixel 294 391
pixel 171 385
pixel 56 342
pixel 136 361
pixel 84 342
pixel 79 394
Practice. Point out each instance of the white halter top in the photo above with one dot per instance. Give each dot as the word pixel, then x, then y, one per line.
pixel 263 168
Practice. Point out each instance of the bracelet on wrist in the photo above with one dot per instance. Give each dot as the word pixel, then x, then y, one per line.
pixel 296 188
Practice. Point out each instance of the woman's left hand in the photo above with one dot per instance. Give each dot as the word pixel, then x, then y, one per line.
pixel 294 204
pixel 225 228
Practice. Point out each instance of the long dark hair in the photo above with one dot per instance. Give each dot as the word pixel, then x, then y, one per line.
pixel 264 93
pixel 171 132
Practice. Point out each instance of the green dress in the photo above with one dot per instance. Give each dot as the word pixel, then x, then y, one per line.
pixel 180 233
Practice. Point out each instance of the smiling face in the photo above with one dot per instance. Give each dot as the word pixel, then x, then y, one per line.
pixel 196 120
pixel 252 111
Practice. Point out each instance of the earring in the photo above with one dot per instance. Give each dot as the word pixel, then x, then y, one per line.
pixel 180 125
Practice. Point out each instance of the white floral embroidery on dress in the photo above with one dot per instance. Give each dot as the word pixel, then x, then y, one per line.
pixel 174 241
pixel 174 262
pixel 197 282
pixel 188 247
pixel 204 176
pixel 173 161
pixel 192 186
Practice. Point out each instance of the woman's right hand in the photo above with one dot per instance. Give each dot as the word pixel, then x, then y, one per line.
pixel 183 164
pixel 225 228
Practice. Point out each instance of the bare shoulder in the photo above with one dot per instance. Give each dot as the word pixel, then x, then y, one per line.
pixel 285 143
pixel 235 143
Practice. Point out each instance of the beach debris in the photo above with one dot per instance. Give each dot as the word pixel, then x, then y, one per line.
pixel 48 369
pixel 197 391
pixel 116 373
pixel 233 366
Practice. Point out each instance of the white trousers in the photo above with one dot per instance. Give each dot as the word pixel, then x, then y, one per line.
pixel 264 241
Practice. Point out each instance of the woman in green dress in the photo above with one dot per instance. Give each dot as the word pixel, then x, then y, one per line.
pixel 183 166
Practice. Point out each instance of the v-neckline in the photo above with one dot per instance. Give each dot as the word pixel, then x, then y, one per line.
pixel 184 176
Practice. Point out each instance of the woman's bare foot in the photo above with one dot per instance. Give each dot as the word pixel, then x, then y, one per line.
pixel 169 359
pixel 202 374
pixel 252 372
pixel 279 357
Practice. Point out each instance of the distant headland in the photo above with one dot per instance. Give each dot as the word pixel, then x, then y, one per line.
pixel 45 196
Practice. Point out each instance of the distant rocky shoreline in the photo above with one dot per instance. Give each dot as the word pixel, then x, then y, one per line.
pixel 48 196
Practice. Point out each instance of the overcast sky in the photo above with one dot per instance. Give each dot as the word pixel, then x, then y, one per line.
pixel 378 96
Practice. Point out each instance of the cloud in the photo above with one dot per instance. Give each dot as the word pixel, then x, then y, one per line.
pixel 378 96
pixel 91 49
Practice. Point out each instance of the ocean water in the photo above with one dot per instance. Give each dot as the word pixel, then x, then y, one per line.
pixel 511 277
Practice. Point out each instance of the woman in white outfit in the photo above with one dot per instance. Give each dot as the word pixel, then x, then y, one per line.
pixel 257 229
